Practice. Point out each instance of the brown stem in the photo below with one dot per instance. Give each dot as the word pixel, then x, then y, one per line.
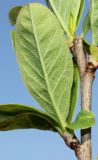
pixel 71 141
pixel 83 151
pixel 86 105
pixel 79 54
pixel 86 78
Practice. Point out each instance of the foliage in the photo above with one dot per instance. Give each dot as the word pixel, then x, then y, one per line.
pixel 84 119
pixel 15 116
pixel 42 40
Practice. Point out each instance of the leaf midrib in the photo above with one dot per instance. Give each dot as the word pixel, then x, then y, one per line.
pixel 61 122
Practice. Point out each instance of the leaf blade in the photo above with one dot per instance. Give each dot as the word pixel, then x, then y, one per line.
pixel 13 14
pixel 17 116
pixel 67 13
pixel 80 11
pixel 86 26
pixel 94 21
pixel 13 38
pixel 74 93
pixel 44 71
pixel 85 119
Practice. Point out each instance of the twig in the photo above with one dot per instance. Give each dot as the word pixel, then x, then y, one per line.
pixel 71 141
pixel 86 71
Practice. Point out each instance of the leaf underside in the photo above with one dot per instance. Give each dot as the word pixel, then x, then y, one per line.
pixel 74 94
pixel 68 13
pixel 80 11
pixel 85 119
pixel 94 21
pixel 91 21
pixel 13 14
pixel 15 116
pixel 86 26
pixel 44 60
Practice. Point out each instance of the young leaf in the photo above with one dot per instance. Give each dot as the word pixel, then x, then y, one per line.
pixel 74 12
pixel 84 119
pixel 16 116
pixel 74 94
pixel 94 21
pixel 67 13
pixel 44 60
pixel 93 57
pixel 86 26
pixel 60 8
pixel 80 11
pixel 13 38
pixel 13 14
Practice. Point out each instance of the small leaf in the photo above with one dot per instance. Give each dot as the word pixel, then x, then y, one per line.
pixel 93 57
pixel 16 116
pixel 13 14
pixel 86 26
pixel 91 21
pixel 85 119
pixel 60 8
pixel 94 52
pixel 80 11
pixel 44 59
pixel 86 42
pixel 67 13
pixel 74 93
pixel 94 21
pixel 74 13
pixel 13 38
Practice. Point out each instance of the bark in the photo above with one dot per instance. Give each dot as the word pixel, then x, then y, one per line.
pixel 82 150
pixel 71 141
pixel 86 71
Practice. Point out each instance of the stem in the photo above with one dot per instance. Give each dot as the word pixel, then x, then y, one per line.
pixel 86 104
pixel 71 141
pixel 86 78
pixel 80 56
pixel 87 69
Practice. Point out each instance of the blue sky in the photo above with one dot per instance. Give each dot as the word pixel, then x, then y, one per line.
pixel 29 144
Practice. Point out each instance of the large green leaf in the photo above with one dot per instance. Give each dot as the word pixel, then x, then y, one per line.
pixel 13 14
pixel 67 13
pixel 85 119
pixel 44 60
pixel 74 94
pixel 16 116
pixel 94 21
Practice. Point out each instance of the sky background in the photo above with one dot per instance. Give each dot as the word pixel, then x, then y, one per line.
pixel 30 144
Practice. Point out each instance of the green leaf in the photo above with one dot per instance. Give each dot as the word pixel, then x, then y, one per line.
pixel 93 57
pixel 44 59
pixel 13 14
pixel 91 21
pixel 74 12
pixel 86 43
pixel 67 13
pixel 94 52
pixel 17 116
pixel 13 38
pixel 86 26
pixel 94 21
pixel 84 119
pixel 80 11
pixel 60 8
pixel 74 94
